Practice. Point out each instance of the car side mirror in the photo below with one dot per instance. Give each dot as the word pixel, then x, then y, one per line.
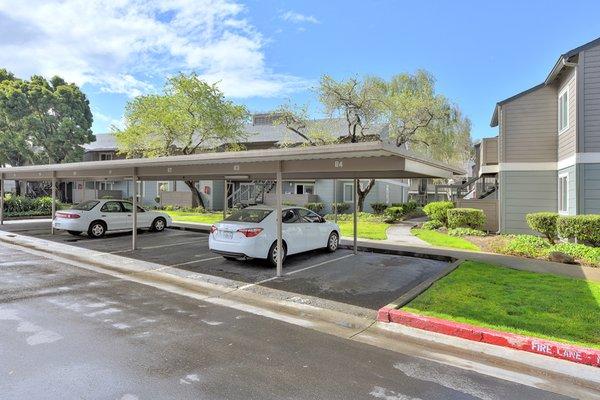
pixel 322 219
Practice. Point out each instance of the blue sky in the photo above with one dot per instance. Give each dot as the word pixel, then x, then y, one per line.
pixel 265 52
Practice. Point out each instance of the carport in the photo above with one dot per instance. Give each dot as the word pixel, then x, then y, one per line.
pixel 355 161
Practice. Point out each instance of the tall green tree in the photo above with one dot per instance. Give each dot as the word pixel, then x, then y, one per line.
pixel 190 116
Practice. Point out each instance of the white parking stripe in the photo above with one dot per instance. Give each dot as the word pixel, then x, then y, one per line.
pixel 195 261
pixel 158 246
pixel 293 272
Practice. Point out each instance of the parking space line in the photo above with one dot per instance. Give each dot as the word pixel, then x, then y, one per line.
pixel 157 247
pixel 195 261
pixel 293 272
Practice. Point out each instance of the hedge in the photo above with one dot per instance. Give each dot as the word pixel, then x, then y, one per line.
pixel 432 225
pixel 465 218
pixel 544 223
pixel 395 213
pixel 341 207
pixel 316 207
pixel 465 232
pixel 22 206
pixel 379 208
pixel 437 210
pixel 584 228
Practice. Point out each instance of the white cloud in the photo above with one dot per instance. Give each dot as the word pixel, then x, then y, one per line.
pixel 123 46
pixel 298 18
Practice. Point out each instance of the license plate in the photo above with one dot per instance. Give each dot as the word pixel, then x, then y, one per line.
pixel 226 235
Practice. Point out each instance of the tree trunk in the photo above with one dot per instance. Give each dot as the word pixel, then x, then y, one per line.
pixel 196 196
pixel 362 193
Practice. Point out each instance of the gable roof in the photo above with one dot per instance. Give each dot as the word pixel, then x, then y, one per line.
pixel 562 61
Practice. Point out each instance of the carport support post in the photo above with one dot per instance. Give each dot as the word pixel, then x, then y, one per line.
pixel 134 202
pixel 335 200
pixel 225 198
pixel 53 203
pixel 355 218
pixel 279 209
pixel 1 200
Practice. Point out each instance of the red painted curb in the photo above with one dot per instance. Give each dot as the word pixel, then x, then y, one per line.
pixel 563 351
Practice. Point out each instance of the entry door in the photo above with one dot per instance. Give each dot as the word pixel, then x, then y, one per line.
pixel 112 213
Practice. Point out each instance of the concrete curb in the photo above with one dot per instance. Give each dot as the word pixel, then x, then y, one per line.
pixel 563 351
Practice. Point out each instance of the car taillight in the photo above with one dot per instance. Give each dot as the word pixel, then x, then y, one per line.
pixel 213 229
pixel 250 232
pixel 67 215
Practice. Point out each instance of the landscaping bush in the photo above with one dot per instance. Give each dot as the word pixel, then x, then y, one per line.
pixel 432 225
pixel 316 207
pixel 24 206
pixel 437 210
pixel 465 232
pixel 342 208
pixel 544 223
pixel 379 208
pixel 398 211
pixel 584 228
pixel 465 218
pixel 587 254
pixel 526 246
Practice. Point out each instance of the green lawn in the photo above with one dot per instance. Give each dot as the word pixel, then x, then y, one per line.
pixel 366 229
pixel 436 238
pixel 532 304
pixel 204 218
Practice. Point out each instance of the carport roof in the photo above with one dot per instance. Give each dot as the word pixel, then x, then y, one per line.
pixel 355 160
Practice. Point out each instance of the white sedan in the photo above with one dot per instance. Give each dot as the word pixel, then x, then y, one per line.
pixel 96 217
pixel 252 233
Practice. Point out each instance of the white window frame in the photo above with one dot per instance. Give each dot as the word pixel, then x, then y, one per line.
pixel 344 199
pixel 104 185
pixel 160 183
pixel 141 189
pixel 304 185
pixel 105 154
pixel 562 93
pixel 563 209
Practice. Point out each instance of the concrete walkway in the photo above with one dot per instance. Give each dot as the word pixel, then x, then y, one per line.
pixel 399 233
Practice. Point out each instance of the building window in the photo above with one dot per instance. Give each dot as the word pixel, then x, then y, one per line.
pixel 563 111
pixel 348 193
pixel 141 189
pixel 563 193
pixel 105 185
pixel 305 188
pixel 162 186
pixel 106 156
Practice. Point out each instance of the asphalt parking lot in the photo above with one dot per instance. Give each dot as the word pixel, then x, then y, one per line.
pixel 368 280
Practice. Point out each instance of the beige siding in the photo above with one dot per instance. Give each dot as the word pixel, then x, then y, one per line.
pixel 490 151
pixel 567 139
pixel 591 99
pixel 529 127
pixel 489 207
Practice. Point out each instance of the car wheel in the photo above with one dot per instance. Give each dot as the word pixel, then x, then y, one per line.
pixel 272 257
pixel 97 229
pixel 75 233
pixel 158 225
pixel 333 242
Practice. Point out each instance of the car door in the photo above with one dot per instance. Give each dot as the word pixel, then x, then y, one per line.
pixel 292 231
pixel 143 217
pixel 111 212
pixel 314 231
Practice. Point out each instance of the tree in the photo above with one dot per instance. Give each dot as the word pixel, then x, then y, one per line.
pixel 42 121
pixel 190 116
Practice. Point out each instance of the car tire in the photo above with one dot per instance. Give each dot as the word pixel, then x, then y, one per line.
pixel 158 225
pixel 271 258
pixel 97 229
pixel 75 233
pixel 333 242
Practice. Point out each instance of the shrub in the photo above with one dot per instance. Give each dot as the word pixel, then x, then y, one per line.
pixel 169 207
pixel 23 206
pixel 437 210
pixel 342 208
pixel 527 246
pixel 379 208
pixel 587 254
pixel 316 207
pixel 544 223
pixel 465 218
pixel 432 225
pixel 465 232
pixel 399 210
pixel 584 228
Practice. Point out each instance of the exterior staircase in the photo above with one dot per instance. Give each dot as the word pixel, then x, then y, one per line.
pixel 250 193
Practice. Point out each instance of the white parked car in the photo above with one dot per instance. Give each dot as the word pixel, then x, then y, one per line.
pixel 96 217
pixel 252 233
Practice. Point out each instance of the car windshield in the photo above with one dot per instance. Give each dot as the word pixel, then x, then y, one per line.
pixel 248 215
pixel 86 205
